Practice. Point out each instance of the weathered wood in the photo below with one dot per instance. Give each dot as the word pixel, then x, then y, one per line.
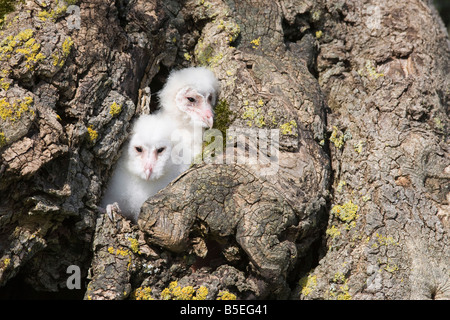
pixel 358 207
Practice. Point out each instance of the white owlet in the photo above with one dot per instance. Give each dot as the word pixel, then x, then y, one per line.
pixel 145 167
pixel 188 98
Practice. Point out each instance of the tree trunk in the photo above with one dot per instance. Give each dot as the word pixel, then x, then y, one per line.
pixel 352 200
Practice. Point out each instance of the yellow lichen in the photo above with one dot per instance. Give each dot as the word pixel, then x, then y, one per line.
pixel 336 138
pixel 143 293
pixel 319 34
pixel 59 60
pixel 115 109
pixel 122 252
pixel 341 292
pixel 370 71
pixel 391 268
pixel 346 212
pixel 14 111
pixel 175 292
pixel 333 232
pixel 5 263
pixel 253 116
pixel 53 14
pixel 134 245
pixel 288 128
pixel 308 284
pixel 201 293
pixel 384 241
pixel 24 35
pixel 23 44
pixel 256 43
pixel 260 102
pixel 67 46
pixel 341 184
pixel 5 83
pixel 93 135
pixel 225 295
pixel 187 56
pixel 359 146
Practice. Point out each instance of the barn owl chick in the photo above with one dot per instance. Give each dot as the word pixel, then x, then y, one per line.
pixel 189 96
pixel 144 168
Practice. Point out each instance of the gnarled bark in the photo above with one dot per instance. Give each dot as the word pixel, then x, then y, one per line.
pixel 359 92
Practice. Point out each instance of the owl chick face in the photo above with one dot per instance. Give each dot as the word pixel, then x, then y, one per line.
pixel 197 104
pixel 149 160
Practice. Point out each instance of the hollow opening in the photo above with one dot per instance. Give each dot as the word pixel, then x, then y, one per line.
pixel 156 85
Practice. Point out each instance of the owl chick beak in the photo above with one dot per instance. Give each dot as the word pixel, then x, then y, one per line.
pixel 207 117
pixel 149 164
pixel 148 172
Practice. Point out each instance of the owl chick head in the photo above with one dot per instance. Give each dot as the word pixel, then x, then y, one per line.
pixel 193 91
pixel 150 147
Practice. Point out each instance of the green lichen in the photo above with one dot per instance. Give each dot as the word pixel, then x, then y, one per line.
pixel 231 29
pixel 3 140
pixel 223 117
pixel 272 118
pixel 315 15
pixel 6 6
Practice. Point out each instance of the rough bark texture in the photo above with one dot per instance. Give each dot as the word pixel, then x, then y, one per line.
pixel 385 69
pixel 359 207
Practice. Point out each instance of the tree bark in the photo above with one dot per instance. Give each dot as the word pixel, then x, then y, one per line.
pixel 385 69
pixel 358 207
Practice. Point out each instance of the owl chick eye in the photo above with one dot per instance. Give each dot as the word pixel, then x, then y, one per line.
pixel 161 149
pixel 191 99
pixel 138 149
